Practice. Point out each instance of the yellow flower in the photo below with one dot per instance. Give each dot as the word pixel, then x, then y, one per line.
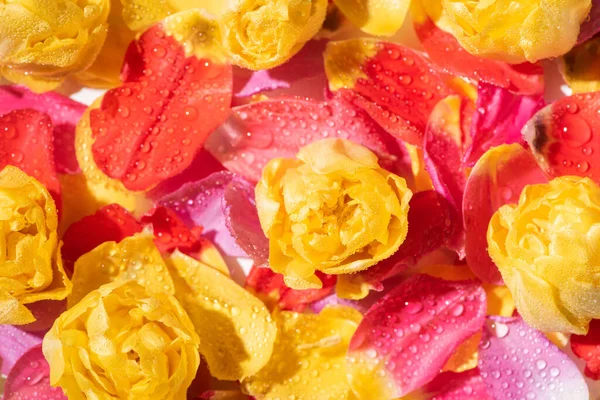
pixel 309 358
pixel 30 263
pixel 120 342
pixel 377 17
pixel 546 250
pixel 333 210
pixel 43 41
pixel 262 34
pixel 516 31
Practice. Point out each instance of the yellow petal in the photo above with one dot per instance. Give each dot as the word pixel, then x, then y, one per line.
pixel 235 328
pixel 377 17
pixel 465 356
pixel 581 67
pixel 344 61
pixel 13 312
pixel 309 357
pixel 134 258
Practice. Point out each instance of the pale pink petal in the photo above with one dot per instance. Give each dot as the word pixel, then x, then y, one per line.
pixel 14 342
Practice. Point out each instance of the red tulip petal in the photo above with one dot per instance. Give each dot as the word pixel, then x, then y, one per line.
pixel 110 223
pixel 499 119
pixel 274 128
pixel 466 385
pixel 538 369
pixel 26 141
pixel 431 227
pixel 63 112
pixel 587 347
pixel 171 233
pixel 13 344
pixel 151 128
pixel 45 313
pixel 497 179
pixel 407 336
pixel 444 50
pixel 591 25
pixel 29 379
pixel 395 85
pixel 565 136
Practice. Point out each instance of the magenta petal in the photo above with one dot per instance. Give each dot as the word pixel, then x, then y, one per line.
pixel 499 119
pixel 466 385
pixel 223 204
pixel 30 379
pixel 14 342
pixel 63 112
pixel 497 179
pixel 410 334
pixel 519 362
pixel 260 131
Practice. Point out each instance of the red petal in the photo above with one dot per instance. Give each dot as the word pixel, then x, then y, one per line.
pixel 151 128
pixel 444 50
pixel 395 85
pixel 15 342
pixel 499 119
pixel 497 179
pixel 587 347
pixel 466 385
pixel 269 285
pixel 411 333
pixel 110 223
pixel 27 142
pixel 565 136
pixel 63 112
pixel 29 379
pixel 45 313
pixel 268 129
pixel 170 232
pixel 591 25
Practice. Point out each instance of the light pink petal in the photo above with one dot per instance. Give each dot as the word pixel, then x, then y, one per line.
pixel 408 335
pixel 334 300
pixel 497 179
pixel 591 25
pixel 14 342
pixel 258 132
pixel 499 119
pixel 63 112
pixel 29 379
pixel 466 385
pixel 519 362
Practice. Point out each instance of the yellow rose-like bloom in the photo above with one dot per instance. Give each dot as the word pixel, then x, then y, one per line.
pixel 262 34
pixel 333 210
pixel 30 263
pixel 546 250
pixel 120 342
pixel 43 41
pixel 516 31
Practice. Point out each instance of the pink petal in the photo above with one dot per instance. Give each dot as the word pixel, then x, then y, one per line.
pixel 412 332
pixel 519 362
pixel 334 300
pixel 261 131
pixel 466 385
pixel 29 379
pixel 497 179
pixel 499 119
pixel 591 25
pixel 223 204
pixel 63 112
pixel 14 342
pixel 305 66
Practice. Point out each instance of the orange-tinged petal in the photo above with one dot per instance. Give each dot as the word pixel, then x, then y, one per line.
pixel 308 359
pixel 235 328
pixel 465 356
pixel 581 67
pixel 377 17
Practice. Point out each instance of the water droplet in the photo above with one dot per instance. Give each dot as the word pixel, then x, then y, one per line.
pixel 235 311
pixel 10 132
pixel 405 79
pixel 572 108
pixel 583 166
pixel 458 310
pixel 554 372
pixel 587 151
pixel 506 193
pixel 394 54
pixel 500 330
pixel 413 307
pixel 123 111
pixel 190 113
pixel 159 51
pixel 16 156
pixel 575 132
pixel 540 364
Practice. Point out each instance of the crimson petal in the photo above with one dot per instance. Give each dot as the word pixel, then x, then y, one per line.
pixel 587 347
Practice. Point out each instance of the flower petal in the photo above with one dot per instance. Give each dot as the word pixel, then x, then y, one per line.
pixel 152 120
pixel 565 136
pixel 111 223
pixel 27 143
pixel 377 17
pixel 408 336
pixel 395 85
pixel 15 342
pixel 64 113
pixel 223 395
pixel 579 67
pixel 497 179
pixel 235 328
pixel 170 232
pixel 499 119
pixel 539 370
pixel 29 379
pixel 591 25
pixel 259 132
pixel 587 347
pixel 445 51
pixel 466 385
